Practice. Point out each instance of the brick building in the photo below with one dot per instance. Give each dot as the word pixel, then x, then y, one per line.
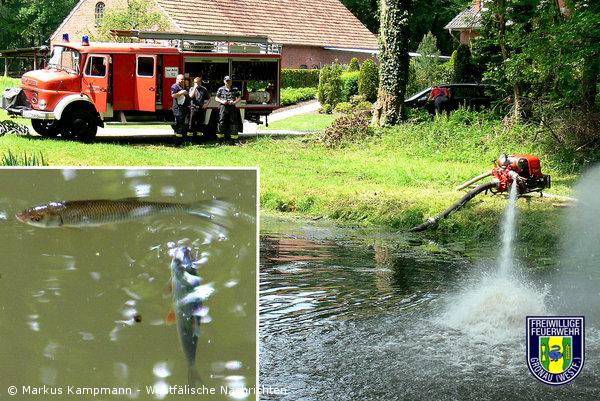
pixel 313 32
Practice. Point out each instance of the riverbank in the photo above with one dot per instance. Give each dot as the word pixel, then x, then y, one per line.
pixel 397 178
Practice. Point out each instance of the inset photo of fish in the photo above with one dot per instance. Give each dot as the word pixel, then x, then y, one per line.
pixel 129 283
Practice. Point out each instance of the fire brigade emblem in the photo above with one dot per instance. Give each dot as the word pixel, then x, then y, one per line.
pixel 555 348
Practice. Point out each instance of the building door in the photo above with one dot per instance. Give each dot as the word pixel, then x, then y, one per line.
pixel 95 80
pixel 145 83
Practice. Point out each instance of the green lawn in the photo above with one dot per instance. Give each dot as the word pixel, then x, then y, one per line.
pixel 398 178
pixel 6 82
pixel 303 122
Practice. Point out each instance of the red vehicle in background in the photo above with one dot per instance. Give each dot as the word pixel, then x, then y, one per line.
pixel 85 84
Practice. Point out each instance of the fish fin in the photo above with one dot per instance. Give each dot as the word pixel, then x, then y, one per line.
pixel 214 210
pixel 193 376
pixel 171 318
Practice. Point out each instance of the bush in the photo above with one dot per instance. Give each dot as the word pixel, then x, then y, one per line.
pixel 291 96
pixel 369 80
pixel 355 100
pixel 343 107
pixel 347 107
pixel 364 106
pixel 462 65
pixel 326 109
pixel 354 66
pixel 297 78
pixel 350 84
pixel 330 85
pixel 571 135
pixel 347 129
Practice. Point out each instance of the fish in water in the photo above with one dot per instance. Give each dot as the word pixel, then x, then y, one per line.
pixel 188 295
pixel 86 213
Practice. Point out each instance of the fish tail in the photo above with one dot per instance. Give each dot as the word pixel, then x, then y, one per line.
pixel 214 210
pixel 193 377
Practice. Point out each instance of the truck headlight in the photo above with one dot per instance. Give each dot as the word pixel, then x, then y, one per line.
pixel 42 104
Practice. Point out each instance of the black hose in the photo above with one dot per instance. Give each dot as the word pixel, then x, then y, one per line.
pixel 433 221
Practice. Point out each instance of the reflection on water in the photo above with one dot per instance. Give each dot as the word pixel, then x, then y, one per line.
pixel 352 314
pixel 87 307
pixel 305 281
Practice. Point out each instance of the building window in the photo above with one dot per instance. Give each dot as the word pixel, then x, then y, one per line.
pixel 99 12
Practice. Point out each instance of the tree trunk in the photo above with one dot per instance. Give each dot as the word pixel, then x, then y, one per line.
pixel 501 18
pixel 394 62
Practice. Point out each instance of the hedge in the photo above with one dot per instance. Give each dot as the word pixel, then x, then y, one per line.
pixel 291 96
pixel 299 78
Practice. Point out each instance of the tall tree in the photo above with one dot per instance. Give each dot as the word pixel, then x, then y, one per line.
pixel 432 16
pixel 136 15
pixel 30 22
pixel 394 61
pixel 426 64
pixel 367 11
pixel 541 52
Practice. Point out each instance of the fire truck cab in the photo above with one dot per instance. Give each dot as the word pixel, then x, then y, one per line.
pixel 85 84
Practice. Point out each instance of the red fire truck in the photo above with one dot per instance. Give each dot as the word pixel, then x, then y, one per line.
pixel 85 84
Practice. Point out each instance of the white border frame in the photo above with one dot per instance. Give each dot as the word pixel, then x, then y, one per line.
pixel 203 168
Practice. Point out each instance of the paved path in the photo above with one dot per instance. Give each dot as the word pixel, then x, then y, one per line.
pixel 250 129
pixel 310 106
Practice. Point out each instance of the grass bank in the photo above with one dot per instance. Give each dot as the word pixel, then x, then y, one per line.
pixel 396 178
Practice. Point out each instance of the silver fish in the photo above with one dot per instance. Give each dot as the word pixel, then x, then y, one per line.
pixel 86 213
pixel 188 294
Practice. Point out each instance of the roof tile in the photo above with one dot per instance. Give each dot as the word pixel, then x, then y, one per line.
pixel 302 22
pixel 467 19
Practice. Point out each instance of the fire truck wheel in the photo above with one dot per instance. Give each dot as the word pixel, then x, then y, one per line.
pixel 81 123
pixel 47 128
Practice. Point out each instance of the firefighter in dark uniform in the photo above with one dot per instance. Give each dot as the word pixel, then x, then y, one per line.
pixel 199 100
pixel 230 120
pixel 178 93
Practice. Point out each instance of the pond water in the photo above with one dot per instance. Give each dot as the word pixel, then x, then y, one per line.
pixel 86 307
pixel 364 314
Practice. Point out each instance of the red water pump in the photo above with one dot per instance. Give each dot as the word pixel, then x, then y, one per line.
pixel 525 169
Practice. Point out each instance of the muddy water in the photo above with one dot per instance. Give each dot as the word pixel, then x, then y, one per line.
pixel 70 296
pixel 350 314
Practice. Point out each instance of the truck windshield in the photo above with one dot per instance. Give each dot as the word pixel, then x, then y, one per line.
pixel 64 58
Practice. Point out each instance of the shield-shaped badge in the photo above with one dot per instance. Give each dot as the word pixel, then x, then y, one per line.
pixel 555 348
